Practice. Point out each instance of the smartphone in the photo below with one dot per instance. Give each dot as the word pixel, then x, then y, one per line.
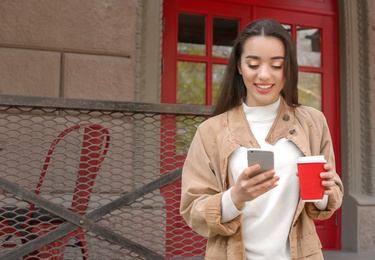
pixel 264 158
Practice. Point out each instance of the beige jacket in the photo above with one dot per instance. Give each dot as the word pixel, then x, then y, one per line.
pixel 205 177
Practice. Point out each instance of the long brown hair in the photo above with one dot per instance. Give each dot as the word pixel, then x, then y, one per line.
pixel 233 90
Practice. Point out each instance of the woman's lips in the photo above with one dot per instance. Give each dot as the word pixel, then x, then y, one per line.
pixel 264 88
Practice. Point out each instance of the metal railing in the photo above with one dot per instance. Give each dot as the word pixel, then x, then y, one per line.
pixel 132 212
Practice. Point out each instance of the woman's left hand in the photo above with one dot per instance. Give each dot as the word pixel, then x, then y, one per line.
pixel 327 177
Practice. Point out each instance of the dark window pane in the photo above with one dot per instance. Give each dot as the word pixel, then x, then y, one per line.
pixel 225 31
pixel 287 27
pixel 191 34
pixel 308 47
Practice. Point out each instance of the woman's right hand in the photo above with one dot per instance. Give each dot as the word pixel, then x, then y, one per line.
pixel 250 187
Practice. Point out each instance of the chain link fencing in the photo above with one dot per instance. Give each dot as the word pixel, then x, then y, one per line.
pixel 94 180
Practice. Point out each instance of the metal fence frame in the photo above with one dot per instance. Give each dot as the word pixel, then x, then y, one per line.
pixel 88 222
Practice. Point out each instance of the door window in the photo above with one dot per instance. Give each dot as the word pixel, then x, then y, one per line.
pixel 309 55
pixel 191 34
pixel 204 43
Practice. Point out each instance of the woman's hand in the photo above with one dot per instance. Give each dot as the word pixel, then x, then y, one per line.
pixel 249 187
pixel 327 177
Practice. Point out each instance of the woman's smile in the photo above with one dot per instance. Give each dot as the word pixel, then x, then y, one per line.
pixel 263 86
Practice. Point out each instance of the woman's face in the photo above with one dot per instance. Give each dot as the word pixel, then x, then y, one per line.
pixel 261 66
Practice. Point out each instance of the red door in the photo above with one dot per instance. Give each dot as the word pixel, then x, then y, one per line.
pixel 205 28
pixel 318 71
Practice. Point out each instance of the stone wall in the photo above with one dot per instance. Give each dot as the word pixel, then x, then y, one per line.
pixel 366 223
pixel 357 50
pixel 72 49
pixel 366 212
pixel 371 33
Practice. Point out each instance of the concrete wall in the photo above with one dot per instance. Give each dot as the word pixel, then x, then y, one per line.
pixel 366 212
pixel 72 49
pixel 357 51
pixel 111 50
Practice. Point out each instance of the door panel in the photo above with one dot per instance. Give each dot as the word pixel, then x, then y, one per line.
pixel 318 83
pixel 196 46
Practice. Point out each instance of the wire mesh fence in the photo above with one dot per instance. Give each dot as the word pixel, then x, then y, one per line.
pixel 94 180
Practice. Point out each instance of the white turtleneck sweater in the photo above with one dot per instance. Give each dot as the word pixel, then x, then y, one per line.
pixel 266 219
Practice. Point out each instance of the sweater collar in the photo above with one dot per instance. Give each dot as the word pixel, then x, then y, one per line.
pixel 261 113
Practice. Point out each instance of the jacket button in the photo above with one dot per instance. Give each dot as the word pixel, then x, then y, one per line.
pixel 286 117
pixel 293 131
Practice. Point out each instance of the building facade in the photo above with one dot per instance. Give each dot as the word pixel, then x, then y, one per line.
pixel 112 50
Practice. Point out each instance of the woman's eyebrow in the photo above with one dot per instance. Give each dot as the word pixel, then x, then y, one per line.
pixel 278 58
pixel 252 57
pixel 258 58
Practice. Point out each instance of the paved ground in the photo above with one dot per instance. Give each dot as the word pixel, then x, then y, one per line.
pixel 340 255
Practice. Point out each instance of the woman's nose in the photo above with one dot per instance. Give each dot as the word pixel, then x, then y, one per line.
pixel 264 73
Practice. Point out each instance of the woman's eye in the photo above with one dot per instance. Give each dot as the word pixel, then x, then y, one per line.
pixel 277 67
pixel 253 66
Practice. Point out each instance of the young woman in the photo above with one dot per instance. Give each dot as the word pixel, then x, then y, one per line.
pixel 261 217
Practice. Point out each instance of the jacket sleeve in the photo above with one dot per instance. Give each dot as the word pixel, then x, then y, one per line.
pixel 201 193
pixel 335 200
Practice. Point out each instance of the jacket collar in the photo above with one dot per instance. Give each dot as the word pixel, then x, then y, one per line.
pixel 283 126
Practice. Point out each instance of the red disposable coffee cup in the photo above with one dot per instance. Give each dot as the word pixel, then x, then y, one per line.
pixel 309 169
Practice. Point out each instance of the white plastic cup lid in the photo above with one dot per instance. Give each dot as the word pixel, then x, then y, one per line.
pixel 310 159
